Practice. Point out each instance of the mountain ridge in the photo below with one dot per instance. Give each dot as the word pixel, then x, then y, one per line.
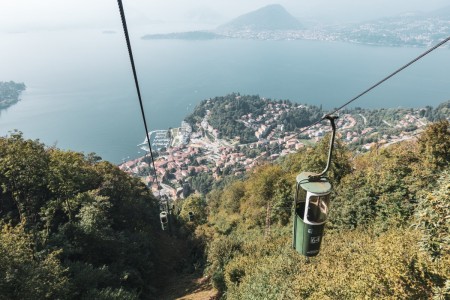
pixel 270 17
pixel 274 22
pixel 441 12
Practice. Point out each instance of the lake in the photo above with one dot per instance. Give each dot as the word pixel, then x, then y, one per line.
pixel 81 95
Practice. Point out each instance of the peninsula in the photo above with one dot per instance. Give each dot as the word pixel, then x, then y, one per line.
pixel 10 93
pixel 230 135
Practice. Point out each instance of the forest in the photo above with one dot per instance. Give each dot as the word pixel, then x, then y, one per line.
pixel 76 227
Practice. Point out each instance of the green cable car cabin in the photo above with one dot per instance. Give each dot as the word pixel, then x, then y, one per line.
pixel 312 201
pixel 311 206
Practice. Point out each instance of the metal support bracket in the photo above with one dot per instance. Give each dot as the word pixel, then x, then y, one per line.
pixel 317 177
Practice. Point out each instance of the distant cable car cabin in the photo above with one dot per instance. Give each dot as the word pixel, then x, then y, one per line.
pixel 164 220
pixel 191 216
pixel 312 201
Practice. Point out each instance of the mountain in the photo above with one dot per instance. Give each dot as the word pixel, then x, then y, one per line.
pixel 273 20
pixel 411 29
pixel 443 13
pixel 271 17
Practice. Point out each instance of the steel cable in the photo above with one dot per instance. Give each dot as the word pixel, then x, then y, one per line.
pixel 130 53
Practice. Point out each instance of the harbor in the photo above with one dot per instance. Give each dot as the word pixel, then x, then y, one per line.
pixel 165 138
pixel 159 139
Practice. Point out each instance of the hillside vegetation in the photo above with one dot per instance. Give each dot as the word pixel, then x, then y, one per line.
pixel 76 227
pixel 226 115
pixel 387 236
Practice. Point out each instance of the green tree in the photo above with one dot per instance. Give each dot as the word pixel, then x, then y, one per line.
pixel 25 274
pixel 431 219
pixel 202 182
pixel 435 144
pixel 381 190
pixel 196 205
pixel 23 180
pixel 282 201
pixel 315 160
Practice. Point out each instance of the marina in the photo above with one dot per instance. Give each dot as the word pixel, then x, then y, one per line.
pixel 165 138
pixel 159 139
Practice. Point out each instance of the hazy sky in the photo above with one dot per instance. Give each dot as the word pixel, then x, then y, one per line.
pixel 23 15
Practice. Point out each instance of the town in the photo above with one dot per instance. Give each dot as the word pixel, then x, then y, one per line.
pixel 191 152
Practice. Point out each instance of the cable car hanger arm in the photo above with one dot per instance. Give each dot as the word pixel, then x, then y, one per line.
pixel 330 152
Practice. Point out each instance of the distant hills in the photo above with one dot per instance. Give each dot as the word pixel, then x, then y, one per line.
pixel 270 17
pixel 274 22
pixel 413 29
pixel 443 12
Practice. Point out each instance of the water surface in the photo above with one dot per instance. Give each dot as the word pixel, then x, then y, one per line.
pixel 81 95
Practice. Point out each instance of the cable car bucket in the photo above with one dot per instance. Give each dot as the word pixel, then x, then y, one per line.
pixel 191 216
pixel 164 220
pixel 311 205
